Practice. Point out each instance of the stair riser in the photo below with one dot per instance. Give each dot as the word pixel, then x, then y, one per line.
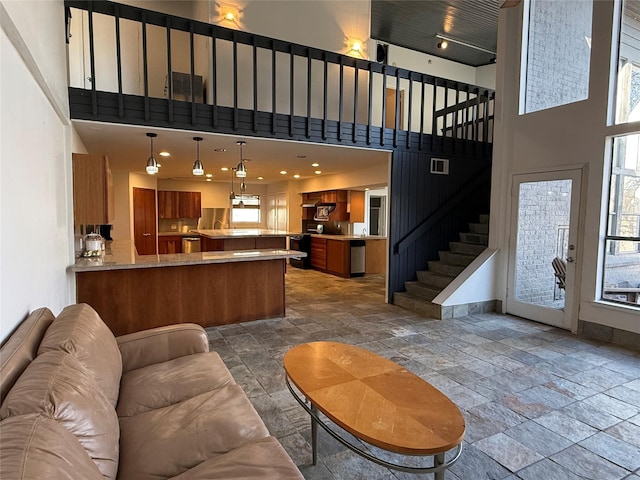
pixel 434 281
pixel 456 258
pixel 421 291
pixel 428 310
pixel 479 228
pixel 476 238
pixel 445 268
pixel 466 248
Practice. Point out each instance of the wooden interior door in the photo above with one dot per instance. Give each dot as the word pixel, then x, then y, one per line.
pixel 390 113
pixel 144 220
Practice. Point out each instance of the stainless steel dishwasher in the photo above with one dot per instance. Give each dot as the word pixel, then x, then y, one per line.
pixel 357 257
pixel 190 244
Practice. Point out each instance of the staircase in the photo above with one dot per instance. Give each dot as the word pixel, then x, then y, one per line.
pixel 431 282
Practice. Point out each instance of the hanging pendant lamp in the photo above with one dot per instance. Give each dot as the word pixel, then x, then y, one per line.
pixel 241 170
pixel 232 195
pixel 198 168
pixel 152 165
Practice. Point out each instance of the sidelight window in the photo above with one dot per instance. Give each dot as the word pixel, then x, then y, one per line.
pixel 627 55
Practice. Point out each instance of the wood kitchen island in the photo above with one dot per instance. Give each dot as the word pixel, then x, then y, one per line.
pixel 134 292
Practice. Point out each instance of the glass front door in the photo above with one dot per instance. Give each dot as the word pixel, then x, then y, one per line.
pixel 543 246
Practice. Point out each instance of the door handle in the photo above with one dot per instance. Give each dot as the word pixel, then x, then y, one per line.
pixel 148 235
pixel 569 259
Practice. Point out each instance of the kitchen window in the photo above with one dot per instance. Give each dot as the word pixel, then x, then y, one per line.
pixel 245 209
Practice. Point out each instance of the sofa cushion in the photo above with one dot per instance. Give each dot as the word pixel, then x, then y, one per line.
pixel 56 385
pixel 22 347
pixel 79 330
pixel 263 459
pixel 35 447
pixel 173 381
pixel 165 442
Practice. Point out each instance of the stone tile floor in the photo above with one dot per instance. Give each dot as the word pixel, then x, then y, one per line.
pixel 539 402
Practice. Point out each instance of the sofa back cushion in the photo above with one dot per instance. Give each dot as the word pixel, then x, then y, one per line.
pixel 35 447
pixel 79 330
pixel 57 386
pixel 21 348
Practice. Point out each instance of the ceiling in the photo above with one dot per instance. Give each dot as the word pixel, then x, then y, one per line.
pixel 128 149
pixel 414 25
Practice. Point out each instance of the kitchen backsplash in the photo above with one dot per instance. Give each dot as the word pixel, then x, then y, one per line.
pixel 179 225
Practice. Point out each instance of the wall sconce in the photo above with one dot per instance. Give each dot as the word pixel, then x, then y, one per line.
pixel 152 165
pixel 355 47
pixel 229 14
pixel 198 168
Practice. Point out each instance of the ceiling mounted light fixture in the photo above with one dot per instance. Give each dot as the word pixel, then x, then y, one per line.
pixel 241 170
pixel 198 168
pixel 152 165
pixel 445 40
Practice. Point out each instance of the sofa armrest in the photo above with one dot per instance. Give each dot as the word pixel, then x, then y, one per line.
pixel 160 344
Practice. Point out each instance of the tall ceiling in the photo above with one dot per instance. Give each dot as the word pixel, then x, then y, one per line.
pixel 414 24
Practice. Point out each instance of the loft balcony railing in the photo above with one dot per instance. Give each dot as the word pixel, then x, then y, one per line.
pixel 130 65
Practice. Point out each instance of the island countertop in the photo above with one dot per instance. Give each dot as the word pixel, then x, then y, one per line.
pixel 348 237
pixel 240 233
pixel 122 255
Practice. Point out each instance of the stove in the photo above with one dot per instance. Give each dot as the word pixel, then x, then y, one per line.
pixel 301 243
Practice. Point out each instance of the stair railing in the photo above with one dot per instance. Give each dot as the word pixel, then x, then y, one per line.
pixel 445 209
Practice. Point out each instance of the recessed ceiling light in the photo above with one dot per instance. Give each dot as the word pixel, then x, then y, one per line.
pixel 366 189
pixel 209 175
pixel 315 164
pixel 301 156
pixel 283 172
pixel 296 176
pixel 225 169
pixel 318 172
pixel 260 178
pixel 208 179
pixel 158 165
pixel 164 154
pixel 219 149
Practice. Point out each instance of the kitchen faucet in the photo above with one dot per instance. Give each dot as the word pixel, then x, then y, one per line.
pixel 216 223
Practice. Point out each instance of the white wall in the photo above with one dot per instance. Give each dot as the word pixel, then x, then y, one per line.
pixel 35 163
pixel 571 136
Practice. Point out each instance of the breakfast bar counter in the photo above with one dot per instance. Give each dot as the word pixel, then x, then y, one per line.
pixel 135 292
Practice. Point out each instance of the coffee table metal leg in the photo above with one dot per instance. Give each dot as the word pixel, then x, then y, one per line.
pixel 438 460
pixel 314 434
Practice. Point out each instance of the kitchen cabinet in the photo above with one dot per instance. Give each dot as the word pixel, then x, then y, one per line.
pixel 271 242
pixel 319 253
pixel 169 244
pixel 144 220
pixel 339 197
pixel 179 204
pixel 211 244
pixel 167 204
pixel 93 201
pixel 356 206
pixel 338 257
pixel 189 204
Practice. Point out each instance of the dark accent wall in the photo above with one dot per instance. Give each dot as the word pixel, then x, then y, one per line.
pixel 416 194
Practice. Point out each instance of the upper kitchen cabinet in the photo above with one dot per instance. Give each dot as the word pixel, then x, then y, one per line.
pixel 337 197
pixel 189 204
pixel 356 206
pixel 179 204
pixel 93 202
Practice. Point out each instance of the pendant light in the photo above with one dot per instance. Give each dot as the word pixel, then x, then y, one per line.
pixel 241 170
pixel 152 165
pixel 232 195
pixel 198 169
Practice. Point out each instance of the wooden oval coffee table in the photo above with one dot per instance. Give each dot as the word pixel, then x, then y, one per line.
pixel 377 401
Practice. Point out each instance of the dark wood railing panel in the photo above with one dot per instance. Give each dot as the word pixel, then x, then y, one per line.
pixel 327 85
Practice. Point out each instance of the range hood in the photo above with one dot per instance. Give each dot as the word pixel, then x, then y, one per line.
pixel 312 203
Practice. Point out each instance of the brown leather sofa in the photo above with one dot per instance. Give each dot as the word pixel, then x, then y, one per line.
pixel 79 403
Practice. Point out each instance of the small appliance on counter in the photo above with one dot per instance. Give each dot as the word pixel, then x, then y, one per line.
pixel 93 245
